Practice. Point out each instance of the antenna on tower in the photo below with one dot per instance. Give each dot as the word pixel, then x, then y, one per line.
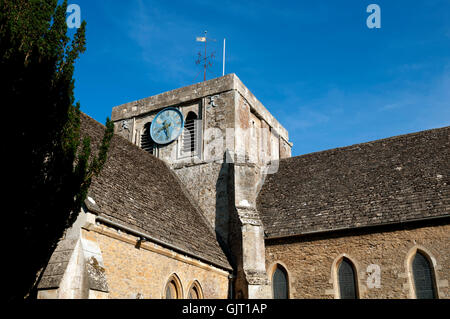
pixel 205 60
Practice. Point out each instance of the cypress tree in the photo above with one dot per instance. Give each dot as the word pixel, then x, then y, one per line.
pixel 52 163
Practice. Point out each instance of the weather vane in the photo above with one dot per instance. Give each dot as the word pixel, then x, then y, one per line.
pixel 205 60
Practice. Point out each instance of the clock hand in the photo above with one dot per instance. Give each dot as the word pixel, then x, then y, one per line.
pixel 165 126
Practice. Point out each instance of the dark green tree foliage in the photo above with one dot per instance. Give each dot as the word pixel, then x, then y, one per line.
pixel 53 165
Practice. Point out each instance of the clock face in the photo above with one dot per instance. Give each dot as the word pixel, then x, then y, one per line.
pixel 167 126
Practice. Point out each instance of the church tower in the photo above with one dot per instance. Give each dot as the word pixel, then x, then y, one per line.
pixel 221 142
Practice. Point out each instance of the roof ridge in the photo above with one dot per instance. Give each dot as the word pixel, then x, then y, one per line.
pixel 395 179
pixel 127 141
pixel 197 207
pixel 131 150
pixel 366 143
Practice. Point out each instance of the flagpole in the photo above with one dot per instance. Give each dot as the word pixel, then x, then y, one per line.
pixel 223 72
pixel 204 73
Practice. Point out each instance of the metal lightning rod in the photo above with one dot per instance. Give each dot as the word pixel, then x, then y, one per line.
pixel 204 73
pixel 223 71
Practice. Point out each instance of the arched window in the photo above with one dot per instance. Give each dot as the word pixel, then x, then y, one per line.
pixel 147 142
pixel 173 288
pixel 423 277
pixel 195 292
pixel 280 283
pixel 347 280
pixel 188 142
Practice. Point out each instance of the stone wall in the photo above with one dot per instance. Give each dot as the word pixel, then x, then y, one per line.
pixel 222 103
pixel 236 129
pixel 173 98
pixel 134 271
pixel 311 261
pixel 207 184
pixel 75 269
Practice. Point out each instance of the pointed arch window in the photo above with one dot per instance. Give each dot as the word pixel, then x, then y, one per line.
pixel 147 142
pixel 280 283
pixel 195 292
pixel 171 291
pixel 173 288
pixel 347 280
pixel 423 277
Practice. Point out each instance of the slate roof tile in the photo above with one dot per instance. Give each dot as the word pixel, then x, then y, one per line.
pixel 140 191
pixel 391 180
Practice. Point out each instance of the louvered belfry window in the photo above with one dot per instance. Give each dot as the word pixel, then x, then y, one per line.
pixel 188 142
pixel 423 277
pixel 346 277
pixel 280 283
pixel 147 143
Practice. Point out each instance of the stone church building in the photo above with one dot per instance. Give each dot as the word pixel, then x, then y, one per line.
pixel 224 211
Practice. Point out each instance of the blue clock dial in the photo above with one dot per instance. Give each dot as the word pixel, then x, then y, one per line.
pixel 167 126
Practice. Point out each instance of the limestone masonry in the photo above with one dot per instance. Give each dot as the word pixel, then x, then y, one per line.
pixel 224 211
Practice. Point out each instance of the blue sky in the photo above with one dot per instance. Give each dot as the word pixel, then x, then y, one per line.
pixel 328 78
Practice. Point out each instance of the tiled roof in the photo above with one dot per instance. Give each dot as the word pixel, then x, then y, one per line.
pixel 392 180
pixel 139 191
